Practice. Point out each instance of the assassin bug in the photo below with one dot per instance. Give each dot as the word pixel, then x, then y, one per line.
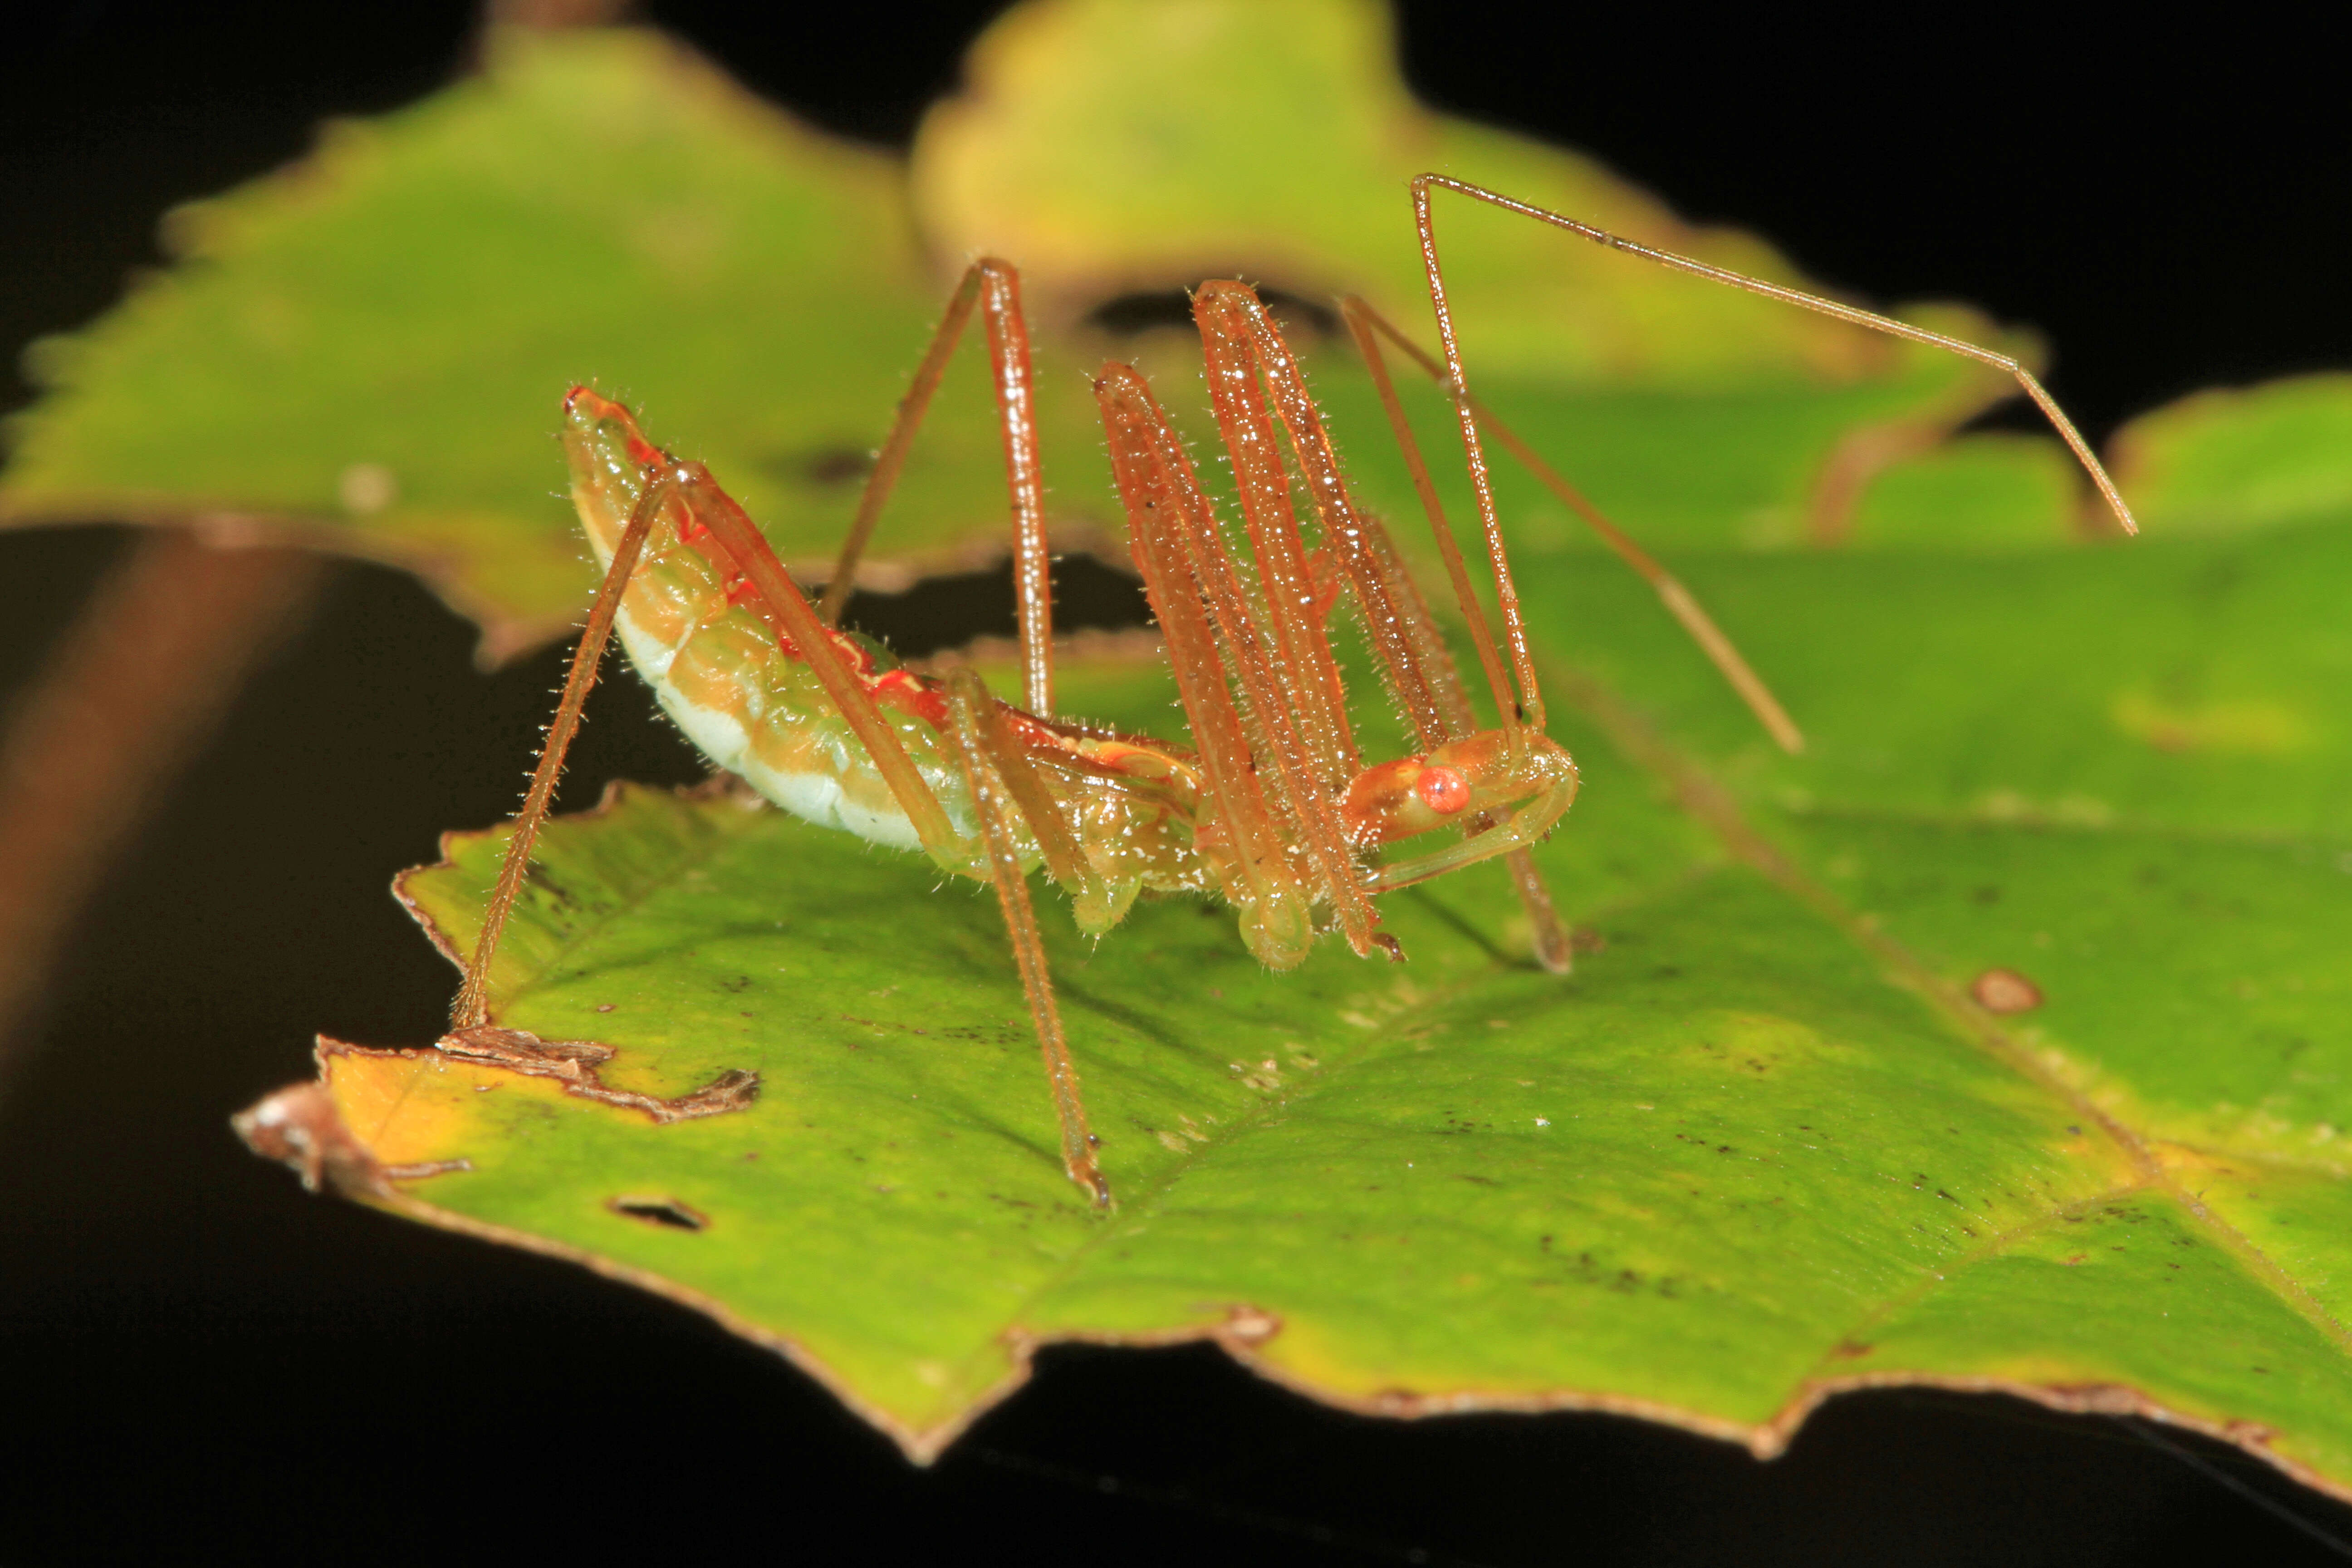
pixel 1271 807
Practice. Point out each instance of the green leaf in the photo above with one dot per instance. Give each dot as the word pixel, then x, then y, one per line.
pixel 367 350
pixel 1995 491
pixel 1997 1042
pixel 2242 459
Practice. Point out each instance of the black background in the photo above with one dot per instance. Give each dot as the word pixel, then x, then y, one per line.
pixel 197 1360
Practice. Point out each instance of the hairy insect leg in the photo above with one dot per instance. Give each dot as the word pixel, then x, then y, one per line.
pixel 1016 409
pixel 1403 656
pixel 1414 659
pixel 1314 689
pixel 1250 855
pixel 472 1007
pixel 969 707
pixel 1363 323
pixel 1282 752
pixel 1553 949
pixel 996 287
pixel 1281 734
pixel 1852 315
pixel 891 460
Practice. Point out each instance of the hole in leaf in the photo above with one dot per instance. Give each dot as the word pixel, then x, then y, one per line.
pixel 948 611
pixel 1131 315
pixel 668 1213
pixel 834 466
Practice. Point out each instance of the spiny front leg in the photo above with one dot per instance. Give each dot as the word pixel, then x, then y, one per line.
pixel 472 1008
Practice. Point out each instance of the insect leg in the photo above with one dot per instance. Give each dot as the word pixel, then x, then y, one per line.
pixel 1066 861
pixel 969 705
pixel 1016 416
pixel 1248 852
pixel 892 459
pixel 1414 657
pixel 1403 658
pixel 472 1007
pixel 788 612
pixel 1307 803
pixel 1546 935
pixel 996 287
pixel 1363 321
pixel 1315 693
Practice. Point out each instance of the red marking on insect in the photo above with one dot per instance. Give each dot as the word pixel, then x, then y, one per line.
pixel 642 452
pixel 1441 790
pixel 739 590
pixel 914 695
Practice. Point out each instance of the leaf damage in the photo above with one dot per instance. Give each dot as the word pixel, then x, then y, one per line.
pixel 303 1125
pixel 577 1063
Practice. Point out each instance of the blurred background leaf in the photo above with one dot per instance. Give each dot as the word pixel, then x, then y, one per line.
pixel 365 352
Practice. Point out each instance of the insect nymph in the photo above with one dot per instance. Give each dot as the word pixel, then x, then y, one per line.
pixel 1271 807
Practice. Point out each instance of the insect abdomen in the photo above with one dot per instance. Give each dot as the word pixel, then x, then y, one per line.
pixel 754 708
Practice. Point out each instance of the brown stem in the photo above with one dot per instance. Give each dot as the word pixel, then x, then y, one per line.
pixel 126 700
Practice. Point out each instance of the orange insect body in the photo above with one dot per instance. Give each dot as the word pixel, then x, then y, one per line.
pixel 1271 807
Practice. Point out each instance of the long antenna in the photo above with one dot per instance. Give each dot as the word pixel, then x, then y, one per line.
pixel 1363 320
pixel 1506 595
pixel 1851 314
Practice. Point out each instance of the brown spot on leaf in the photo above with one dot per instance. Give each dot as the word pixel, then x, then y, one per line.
pixel 2005 991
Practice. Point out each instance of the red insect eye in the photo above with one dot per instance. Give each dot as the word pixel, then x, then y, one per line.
pixel 1441 790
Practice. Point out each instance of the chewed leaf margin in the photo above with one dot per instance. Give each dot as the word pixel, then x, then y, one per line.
pixel 299 1126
